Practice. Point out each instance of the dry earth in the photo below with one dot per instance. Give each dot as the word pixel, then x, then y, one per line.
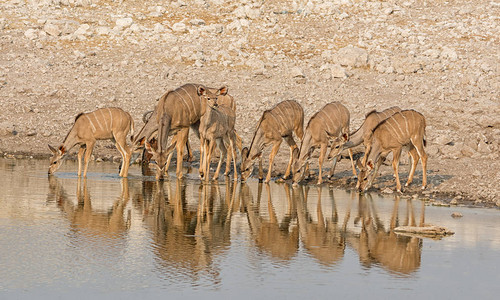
pixel 62 57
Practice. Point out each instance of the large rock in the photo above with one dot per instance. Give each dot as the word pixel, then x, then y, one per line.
pixel 352 57
pixel 123 23
pixel 52 29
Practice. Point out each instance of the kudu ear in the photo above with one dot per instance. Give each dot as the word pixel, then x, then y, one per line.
pixel 52 149
pixel 370 164
pixel 345 136
pixel 244 152
pixel 201 90
pixel 142 141
pixel 62 149
pixel 148 147
pixel 359 165
pixel 222 91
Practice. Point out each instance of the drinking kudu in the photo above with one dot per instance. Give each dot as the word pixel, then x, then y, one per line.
pixel 103 124
pixel 275 125
pixel 403 129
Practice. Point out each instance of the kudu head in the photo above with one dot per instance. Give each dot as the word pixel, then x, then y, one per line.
pixel 298 166
pixel 338 145
pixel 365 174
pixel 211 95
pixel 57 158
pixel 156 160
pixel 246 164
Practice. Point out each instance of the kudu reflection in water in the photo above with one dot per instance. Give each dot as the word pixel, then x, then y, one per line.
pixel 84 218
pixel 278 238
pixel 323 239
pixel 382 246
pixel 187 237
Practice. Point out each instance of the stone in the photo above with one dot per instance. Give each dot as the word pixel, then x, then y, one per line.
pixel 449 53
pixel 457 215
pixel 124 22
pixel 353 57
pixel 296 72
pixel 179 27
pixel 82 30
pixel 52 29
pixel 31 34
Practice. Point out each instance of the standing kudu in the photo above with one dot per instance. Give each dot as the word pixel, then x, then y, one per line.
pixel 403 129
pixel 329 125
pixel 275 125
pixel 217 127
pixel 103 124
pixel 177 110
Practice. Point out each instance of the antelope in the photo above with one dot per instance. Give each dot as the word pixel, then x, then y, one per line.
pixel 330 124
pixel 372 119
pixel 217 127
pixel 275 125
pixel 103 124
pixel 176 111
pixel 403 129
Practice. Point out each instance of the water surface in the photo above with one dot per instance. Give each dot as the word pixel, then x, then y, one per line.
pixel 107 237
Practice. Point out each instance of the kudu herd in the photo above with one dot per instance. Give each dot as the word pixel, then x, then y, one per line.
pixel 211 114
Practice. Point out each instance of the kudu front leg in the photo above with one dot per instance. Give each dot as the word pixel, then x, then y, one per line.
pixel 293 145
pixel 81 152
pixel 274 151
pixel 395 166
pixel 321 158
pixel 88 154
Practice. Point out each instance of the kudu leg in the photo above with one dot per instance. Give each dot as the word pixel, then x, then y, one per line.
pixel 125 152
pixel 182 136
pixel 293 145
pixel 322 153
pixel 81 151
pixel 209 149
pixel 202 159
pixel 419 146
pixel 88 154
pixel 414 161
pixel 352 164
pixel 274 151
pixel 395 165
pixel 233 154
pixel 223 153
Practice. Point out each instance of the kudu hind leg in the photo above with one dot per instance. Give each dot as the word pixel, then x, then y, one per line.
pixel 419 146
pixel 414 161
pixel 181 142
pixel 322 154
pixel 126 153
pixel 293 145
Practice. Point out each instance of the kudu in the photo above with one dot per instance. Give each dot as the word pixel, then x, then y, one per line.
pixel 372 119
pixel 176 111
pixel 217 127
pixel 403 129
pixel 103 124
pixel 329 125
pixel 275 125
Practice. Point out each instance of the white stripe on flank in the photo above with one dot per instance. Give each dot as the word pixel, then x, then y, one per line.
pixel 91 124
pixel 406 123
pixel 281 114
pixel 97 120
pixel 184 101
pixel 191 98
pixel 388 122
pixel 111 120
pixel 104 118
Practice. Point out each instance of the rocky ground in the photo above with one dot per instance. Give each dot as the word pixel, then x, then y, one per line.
pixel 62 57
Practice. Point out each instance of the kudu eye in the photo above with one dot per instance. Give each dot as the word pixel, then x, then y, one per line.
pixel 54 163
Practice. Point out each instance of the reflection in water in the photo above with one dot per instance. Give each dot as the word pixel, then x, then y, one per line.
pixel 278 238
pixel 187 238
pixel 87 220
pixel 323 238
pixel 379 245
